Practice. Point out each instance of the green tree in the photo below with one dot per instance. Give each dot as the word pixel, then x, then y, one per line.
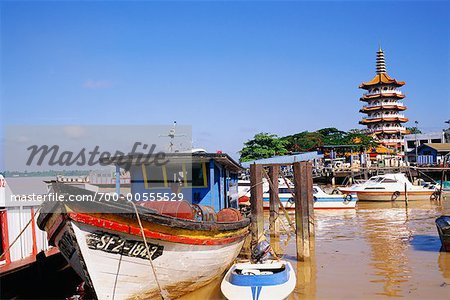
pixel 413 130
pixel 303 142
pixel 263 145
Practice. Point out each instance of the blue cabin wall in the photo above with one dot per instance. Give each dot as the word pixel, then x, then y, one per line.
pixel 426 155
pixel 215 195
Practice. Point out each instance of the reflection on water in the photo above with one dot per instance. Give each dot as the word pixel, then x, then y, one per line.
pixel 379 250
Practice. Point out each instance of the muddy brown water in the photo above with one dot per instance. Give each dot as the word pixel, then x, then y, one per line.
pixel 378 251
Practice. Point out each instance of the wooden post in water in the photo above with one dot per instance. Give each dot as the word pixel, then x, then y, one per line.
pixel 310 200
pixel 442 184
pixel 256 203
pixel 274 226
pixel 303 193
pixel 406 194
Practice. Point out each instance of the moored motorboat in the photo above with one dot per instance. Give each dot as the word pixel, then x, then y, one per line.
pixel 270 280
pixel 322 200
pixel 390 187
pixel 443 227
pixel 186 244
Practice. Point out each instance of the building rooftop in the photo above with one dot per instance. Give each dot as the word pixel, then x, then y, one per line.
pixel 439 147
pixel 422 136
pixel 285 159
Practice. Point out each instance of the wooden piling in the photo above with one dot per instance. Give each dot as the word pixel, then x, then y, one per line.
pixel 303 193
pixel 274 226
pixel 310 199
pixel 406 194
pixel 256 204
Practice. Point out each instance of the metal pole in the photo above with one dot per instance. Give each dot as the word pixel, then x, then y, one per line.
pixel 118 180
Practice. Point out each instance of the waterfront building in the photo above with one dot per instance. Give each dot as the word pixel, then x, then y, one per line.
pixel 383 107
pixel 422 138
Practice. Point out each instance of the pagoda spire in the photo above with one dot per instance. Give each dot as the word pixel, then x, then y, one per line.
pixel 381 64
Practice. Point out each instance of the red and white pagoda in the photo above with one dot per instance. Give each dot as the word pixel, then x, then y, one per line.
pixel 383 97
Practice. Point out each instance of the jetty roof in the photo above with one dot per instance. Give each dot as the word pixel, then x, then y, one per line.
pixel 285 159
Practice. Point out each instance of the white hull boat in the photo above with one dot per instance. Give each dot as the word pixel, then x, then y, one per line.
pixel 322 200
pixel 390 187
pixel 271 280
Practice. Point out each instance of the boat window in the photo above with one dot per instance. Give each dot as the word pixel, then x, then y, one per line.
pixel 175 173
pixel 284 191
pixel 154 176
pixel 315 191
pixel 388 180
pixel 199 177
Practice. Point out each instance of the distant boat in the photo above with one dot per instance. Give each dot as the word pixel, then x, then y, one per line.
pixel 322 200
pixel 443 227
pixel 270 280
pixel 390 187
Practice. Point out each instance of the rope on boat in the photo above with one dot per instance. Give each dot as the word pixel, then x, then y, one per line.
pixel 162 293
pixel 20 233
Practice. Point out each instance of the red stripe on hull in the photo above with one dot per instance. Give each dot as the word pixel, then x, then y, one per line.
pixel 115 226
pixel 5 236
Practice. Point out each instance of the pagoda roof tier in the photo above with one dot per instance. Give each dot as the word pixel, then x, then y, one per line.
pixel 383 94
pixel 387 130
pixel 374 108
pixel 389 143
pixel 375 120
pixel 380 79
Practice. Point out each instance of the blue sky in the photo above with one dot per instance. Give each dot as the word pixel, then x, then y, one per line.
pixel 229 69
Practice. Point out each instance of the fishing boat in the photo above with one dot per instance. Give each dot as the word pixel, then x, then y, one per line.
pixel 443 227
pixel 391 187
pixel 129 249
pixel 270 280
pixel 322 200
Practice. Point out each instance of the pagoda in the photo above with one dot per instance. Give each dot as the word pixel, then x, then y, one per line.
pixel 383 107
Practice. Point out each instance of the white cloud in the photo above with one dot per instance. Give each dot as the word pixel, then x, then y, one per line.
pixel 96 84
pixel 74 132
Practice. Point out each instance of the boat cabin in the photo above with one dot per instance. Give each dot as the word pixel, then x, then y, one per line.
pixel 209 179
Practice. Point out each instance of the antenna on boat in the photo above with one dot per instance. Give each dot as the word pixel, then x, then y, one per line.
pixel 172 134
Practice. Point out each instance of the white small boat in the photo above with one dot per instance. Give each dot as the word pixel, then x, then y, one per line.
pixel 322 200
pixel 270 280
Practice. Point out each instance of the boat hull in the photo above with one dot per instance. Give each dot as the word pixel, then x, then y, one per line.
pixel 443 227
pixel 180 268
pixel 394 195
pixel 271 291
pixel 320 203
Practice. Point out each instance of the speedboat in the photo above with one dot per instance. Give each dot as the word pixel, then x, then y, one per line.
pixel 322 200
pixel 390 187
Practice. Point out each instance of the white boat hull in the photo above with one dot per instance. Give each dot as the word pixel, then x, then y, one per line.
pixel 394 195
pixel 180 268
pixel 272 292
